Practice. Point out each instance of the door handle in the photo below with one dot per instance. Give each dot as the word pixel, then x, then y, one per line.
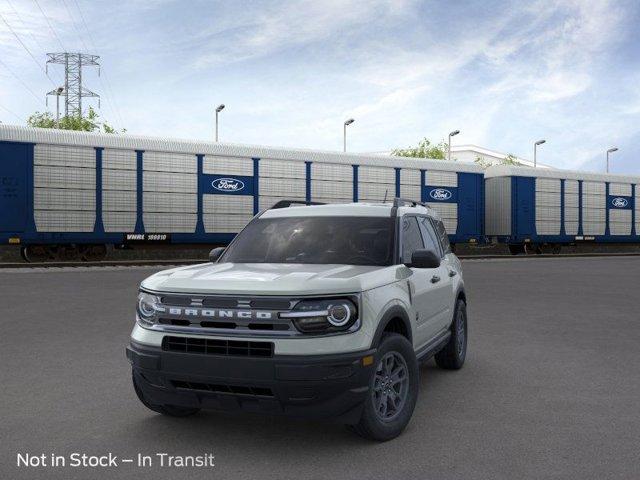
pixel 452 273
pixel 435 279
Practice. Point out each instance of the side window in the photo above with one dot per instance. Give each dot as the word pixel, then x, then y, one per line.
pixel 411 238
pixel 442 235
pixel 429 235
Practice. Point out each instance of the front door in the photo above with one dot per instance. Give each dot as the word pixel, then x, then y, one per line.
pixel 428 285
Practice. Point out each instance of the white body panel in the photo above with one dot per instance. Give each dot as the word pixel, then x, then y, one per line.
pixel 429 305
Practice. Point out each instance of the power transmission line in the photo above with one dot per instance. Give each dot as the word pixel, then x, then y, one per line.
pixel 27 49
pixel 75 27
pixel 50 26
pixel 24 26
pixel 12 113
pixel 21 81
pixel 106 85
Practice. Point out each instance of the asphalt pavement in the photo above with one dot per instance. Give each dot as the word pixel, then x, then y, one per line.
pixel 551 387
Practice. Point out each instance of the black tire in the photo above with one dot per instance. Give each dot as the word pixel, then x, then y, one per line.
pixel 452 356
pixel 372 424
pixel 169 410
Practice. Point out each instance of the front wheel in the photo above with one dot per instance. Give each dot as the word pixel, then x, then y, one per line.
pixel 452 356
pixel 393 390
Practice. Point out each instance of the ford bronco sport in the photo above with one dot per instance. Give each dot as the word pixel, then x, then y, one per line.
pixel 322 311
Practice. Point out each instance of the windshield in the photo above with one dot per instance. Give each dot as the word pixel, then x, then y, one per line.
pixel 323 240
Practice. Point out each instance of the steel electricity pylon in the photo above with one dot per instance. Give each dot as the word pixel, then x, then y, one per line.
pixel 73 91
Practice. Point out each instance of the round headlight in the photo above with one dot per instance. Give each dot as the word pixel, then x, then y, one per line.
pixel 339 315
pixel 146 305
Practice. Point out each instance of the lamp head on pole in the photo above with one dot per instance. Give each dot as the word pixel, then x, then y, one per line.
pixel 611 150
pixel 349 122
pixel 540 142
pixel 454 133
pixel 220 108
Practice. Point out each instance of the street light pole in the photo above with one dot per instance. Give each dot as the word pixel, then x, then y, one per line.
pixel 344 133
pixel 452 134
pixel 535 152
pixel 218 110
pixel 59 90
pixel 611 150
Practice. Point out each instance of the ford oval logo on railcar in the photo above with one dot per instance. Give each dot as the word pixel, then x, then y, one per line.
pixel 619 202
pixel 440 194
pixel 227 184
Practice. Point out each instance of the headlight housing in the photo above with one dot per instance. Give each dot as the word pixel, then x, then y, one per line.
pixel 329 315
pixel 148 308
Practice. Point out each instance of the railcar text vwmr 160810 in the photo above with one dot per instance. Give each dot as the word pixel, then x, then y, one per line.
pixel 72 193
pixel 533 210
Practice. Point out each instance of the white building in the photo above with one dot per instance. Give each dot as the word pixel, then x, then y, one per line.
pixel 469 154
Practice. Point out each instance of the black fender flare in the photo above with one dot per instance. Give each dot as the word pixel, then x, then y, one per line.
pixel 461 295
pixel 395 311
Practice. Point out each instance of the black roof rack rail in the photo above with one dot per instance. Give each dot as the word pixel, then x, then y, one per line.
pixel 399 202
pixel 288 203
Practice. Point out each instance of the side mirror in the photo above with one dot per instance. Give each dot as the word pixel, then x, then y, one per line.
pixel 424 259
pixel 215 254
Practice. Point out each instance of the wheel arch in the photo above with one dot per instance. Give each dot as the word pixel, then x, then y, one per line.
pixel 397 319
pixel 461 295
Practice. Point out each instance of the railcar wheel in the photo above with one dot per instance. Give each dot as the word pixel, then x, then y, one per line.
pixel 532 249
pixel 68 253
pixel 93 253
pixel 35 253
pixel 516 249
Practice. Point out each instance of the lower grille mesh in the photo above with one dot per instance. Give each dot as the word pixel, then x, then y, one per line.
pixel 216 388
pixel 207 346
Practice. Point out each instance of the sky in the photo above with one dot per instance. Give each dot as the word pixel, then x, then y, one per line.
pixel 504 73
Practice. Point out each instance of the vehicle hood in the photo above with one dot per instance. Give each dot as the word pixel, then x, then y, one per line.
pixel 271 279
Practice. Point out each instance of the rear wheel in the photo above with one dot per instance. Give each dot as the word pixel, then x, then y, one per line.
pixel 452 356
pixel 393 390
pixel 169 410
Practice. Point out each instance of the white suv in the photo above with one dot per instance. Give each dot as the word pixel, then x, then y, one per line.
pixel 320 311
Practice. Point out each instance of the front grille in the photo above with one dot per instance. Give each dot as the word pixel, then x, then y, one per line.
pixel 276 325
pixel 207 346
pixel 218 388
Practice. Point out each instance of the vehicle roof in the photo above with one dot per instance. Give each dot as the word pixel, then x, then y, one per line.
pixel 360 209
pixel 15 133
pixel 556 173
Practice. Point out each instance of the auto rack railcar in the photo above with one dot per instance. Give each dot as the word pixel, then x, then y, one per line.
pixel 72 193
pixel 534 210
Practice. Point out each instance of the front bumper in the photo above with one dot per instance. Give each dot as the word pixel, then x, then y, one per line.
pixel 320 386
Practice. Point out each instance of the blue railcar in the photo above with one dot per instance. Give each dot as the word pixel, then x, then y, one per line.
pixel 72 193
pixel 534 210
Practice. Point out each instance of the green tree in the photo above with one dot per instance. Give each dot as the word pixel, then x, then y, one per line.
pixel 510 159
pixel 425 149
pixel 89 123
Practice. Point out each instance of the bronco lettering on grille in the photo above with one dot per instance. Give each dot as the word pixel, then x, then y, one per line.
pixel 210 312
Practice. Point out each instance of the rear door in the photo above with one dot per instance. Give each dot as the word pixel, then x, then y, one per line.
pixel 13 186
pixel 436 239
pixel 426 284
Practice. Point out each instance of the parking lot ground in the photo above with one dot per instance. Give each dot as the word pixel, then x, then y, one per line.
pixel 551 387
